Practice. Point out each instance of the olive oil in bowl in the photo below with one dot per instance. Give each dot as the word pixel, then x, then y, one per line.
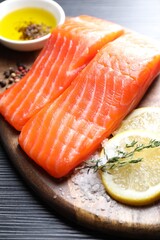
pixel 27 24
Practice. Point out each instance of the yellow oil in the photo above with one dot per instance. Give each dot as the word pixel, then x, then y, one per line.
pixel 10 24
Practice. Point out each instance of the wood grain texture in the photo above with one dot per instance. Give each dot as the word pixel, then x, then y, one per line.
pixel 24 215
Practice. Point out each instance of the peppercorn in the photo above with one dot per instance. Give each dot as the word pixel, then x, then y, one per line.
pixel 33 31
pixel 2 84
pixel 6 74
pixel 11 80
pixel 13 75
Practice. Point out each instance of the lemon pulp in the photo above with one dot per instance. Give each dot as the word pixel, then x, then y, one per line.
pixel 139 183
pixel 10 24
pixel 141 118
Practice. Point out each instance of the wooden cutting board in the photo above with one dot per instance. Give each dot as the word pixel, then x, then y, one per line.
pixel 81 196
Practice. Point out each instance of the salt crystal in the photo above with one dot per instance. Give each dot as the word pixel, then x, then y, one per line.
pixel 95 188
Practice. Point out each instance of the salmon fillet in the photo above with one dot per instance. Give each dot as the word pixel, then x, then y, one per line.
pixel 64 133
pixel 69 49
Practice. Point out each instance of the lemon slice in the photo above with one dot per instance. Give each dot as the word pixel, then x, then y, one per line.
pixel 134 183
pixel 141 118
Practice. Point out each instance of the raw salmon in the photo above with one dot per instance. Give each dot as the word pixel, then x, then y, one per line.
pixel 64 133
pixel 69 49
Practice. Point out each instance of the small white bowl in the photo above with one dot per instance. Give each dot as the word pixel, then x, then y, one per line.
pixel 29 45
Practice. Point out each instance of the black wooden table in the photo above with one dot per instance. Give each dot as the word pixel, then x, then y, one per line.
pixel 22 214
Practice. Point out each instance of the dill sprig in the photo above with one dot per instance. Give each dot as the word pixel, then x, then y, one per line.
pixel 104 163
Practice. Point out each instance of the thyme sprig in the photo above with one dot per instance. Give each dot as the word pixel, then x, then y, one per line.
pixel 104 163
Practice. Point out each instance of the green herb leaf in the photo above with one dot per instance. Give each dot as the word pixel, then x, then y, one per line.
pixel 121 159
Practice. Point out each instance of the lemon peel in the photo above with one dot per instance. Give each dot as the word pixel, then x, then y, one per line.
pixel 134 184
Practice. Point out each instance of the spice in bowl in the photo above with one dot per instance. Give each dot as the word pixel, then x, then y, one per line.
pixel 27 24
pixel 32 31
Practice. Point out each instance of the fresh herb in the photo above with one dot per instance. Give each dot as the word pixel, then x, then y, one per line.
pixel 104 163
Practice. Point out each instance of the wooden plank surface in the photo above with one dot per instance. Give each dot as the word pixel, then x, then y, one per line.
pixel 24 215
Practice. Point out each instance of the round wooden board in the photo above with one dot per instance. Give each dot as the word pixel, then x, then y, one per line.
pixel 81 196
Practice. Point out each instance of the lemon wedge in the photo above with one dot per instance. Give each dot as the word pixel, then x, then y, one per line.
pixel 133 183
pixel 141 118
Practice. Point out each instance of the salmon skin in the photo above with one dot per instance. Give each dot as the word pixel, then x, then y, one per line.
pixel 64 133
pixel 69 49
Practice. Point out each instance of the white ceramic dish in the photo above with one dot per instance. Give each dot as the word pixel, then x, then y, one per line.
pixel 30 45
